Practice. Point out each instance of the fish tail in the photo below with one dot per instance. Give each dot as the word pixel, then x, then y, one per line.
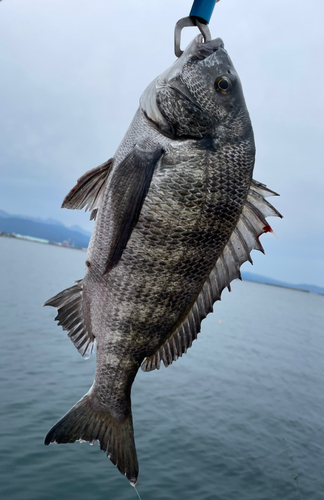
pixel 116 437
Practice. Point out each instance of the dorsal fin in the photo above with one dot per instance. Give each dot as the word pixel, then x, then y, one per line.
pixel 88 190
pixel 244 239
pixel 70 316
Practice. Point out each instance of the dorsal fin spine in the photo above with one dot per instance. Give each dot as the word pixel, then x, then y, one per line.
pixel 158 361
pixel 171 350
pixel 257 243
pixel 217 279
pixel 186 333
pixel 168 353
pixel 201 303
pixel 191 325
pixel 268 209
pixel 175 349
pixel 197 320
pixel 208 297
pixel 179 340
pixel 257 212
pixel 235 259
pixel 244 245
pixel 214 285
pixel 226 272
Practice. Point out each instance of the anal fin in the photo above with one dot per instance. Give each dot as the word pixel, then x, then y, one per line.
pixel 70 316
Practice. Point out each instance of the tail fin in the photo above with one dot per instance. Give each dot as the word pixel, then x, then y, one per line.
pixel 116 438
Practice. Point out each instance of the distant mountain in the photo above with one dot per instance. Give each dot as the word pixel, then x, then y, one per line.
pixel 56 232
pixel 269 281
pixel 80 230
pixel 5 215
pixel 50 229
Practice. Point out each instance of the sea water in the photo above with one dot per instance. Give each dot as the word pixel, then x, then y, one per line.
pixel 239 417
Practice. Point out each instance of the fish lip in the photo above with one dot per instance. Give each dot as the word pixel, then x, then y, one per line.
pixel 206 49
pixel 198 45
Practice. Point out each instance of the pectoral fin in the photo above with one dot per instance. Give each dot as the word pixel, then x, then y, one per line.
pixel 129 183
pixel 88 190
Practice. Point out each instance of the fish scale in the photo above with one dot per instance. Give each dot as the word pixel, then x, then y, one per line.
pixel 176 214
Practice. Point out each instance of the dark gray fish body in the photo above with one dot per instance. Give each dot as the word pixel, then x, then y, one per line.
pixel 177 213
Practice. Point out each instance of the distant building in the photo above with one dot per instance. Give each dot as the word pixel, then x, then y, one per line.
pixel 30 238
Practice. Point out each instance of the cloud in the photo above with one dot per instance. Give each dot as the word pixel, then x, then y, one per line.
pixel 73 72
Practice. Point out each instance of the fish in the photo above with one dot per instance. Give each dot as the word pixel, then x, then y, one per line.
pixel 176 213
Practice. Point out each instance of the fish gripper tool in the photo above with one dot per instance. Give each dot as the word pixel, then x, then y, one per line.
pixel 200 15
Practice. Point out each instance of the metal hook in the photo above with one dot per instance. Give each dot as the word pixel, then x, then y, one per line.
pixel 186 22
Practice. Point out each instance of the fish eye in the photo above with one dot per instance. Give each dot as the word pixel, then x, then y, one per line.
pixel 223 85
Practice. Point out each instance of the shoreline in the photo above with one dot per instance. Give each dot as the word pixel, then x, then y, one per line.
pixel 66 245
pixel 40 240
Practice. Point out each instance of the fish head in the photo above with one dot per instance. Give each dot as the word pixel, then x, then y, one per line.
pixel 199 95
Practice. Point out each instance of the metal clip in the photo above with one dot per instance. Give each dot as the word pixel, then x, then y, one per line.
pixel 184 23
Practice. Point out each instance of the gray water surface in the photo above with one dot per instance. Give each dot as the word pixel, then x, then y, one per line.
pixel 239 417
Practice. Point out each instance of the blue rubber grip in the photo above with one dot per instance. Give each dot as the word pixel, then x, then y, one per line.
pixel 203 9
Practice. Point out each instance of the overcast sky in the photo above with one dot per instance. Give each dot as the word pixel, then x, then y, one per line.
pixel 72 72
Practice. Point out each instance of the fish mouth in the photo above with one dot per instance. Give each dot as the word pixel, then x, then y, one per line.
pixel 206 49
pixel 201 49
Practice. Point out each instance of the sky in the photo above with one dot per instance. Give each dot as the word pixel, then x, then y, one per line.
pixel 72 72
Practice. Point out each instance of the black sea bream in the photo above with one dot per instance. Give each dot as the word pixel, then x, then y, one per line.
pixel 177 213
